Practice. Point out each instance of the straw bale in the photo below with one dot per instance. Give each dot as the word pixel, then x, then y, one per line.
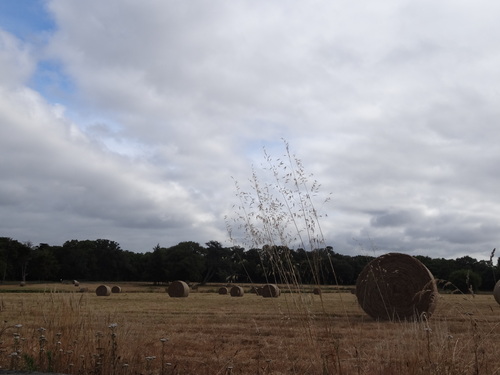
pixel 103 290
pixel 496 292
pixel 317 291
pixel 223 290
pixel 178 289
pixel 270 291
pixel 83 290
pixel 76 283
pixel 116 289
pixel 237 291
pixel 396 286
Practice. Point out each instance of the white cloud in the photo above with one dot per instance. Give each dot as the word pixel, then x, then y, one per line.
pixel 392 105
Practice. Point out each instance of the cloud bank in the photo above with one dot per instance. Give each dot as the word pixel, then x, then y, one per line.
pixel 128 120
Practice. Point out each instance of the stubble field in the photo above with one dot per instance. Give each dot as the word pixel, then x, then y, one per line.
pixel 143 331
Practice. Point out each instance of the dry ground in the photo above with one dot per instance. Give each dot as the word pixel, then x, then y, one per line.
pixel 144 331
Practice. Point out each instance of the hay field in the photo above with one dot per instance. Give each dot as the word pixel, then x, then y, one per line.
pixel 144 331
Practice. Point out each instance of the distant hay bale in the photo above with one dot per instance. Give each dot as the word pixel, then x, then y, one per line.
pixel 223 290
pixel 178 289
pixel 22 283
pixel 496 292
pixel 317 291
pixel 83 290
pixel 270 291
pixel 103 290
pixel 76 283
pixel 237 291
pixel 396 286
pixel 116 289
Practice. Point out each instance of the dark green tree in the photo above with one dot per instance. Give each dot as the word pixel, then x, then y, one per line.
pixel 184 261
pixel 465 280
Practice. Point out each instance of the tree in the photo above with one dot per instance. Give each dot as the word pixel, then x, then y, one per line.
pixel 217 262
pixel 465 280
pixel 47 266
pixel 184 262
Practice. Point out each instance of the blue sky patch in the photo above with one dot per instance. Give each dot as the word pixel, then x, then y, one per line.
pixel 26 19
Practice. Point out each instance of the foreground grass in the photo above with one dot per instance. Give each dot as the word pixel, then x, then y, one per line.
pixel 143 331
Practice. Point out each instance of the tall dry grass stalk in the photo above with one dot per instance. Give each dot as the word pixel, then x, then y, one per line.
pixel 277 212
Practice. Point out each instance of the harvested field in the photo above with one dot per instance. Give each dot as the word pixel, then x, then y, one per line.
pixel 208 333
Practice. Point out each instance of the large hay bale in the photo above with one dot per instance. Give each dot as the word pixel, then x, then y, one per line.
pixel 496 292
pixel 270 291
pixel 317 291
pixel 237 291
pixel 76 283
pixel 116 289
pixel 223 290
pixel 178 289
pixel 103 290
pixel 396 286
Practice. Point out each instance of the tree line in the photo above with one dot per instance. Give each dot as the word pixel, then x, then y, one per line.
pixel 104 260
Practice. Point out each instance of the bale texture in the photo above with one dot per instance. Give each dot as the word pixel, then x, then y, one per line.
pixel 223 290
pixel 178 289
pixel 237 291
pixel 496 292
pixel 270 291
pixel 103 290
pixel 396 286
pixel 116 289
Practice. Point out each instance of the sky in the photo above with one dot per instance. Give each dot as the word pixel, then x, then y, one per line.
pixel 132 120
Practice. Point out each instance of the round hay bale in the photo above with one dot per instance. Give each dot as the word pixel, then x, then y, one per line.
pixel 116 289
pixel 237 291
pixel 270 291
pixel 22 283
pixel 396 286
pixel 496 292
pixel 178 289
pixel 76 283
pixel 223 290
pixel 103 290
pixel 317 291
pixel 84 290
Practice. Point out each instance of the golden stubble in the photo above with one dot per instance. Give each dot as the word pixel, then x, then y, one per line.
pixel 144 331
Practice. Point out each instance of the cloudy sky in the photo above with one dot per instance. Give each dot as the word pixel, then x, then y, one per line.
pixel 131 120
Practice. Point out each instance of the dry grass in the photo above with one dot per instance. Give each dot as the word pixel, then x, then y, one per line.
pixel 147 332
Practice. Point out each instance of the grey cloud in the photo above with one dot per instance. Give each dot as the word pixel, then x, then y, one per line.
pixel 392 106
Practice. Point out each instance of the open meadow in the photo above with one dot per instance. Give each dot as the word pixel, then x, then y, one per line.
pixel 54 327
